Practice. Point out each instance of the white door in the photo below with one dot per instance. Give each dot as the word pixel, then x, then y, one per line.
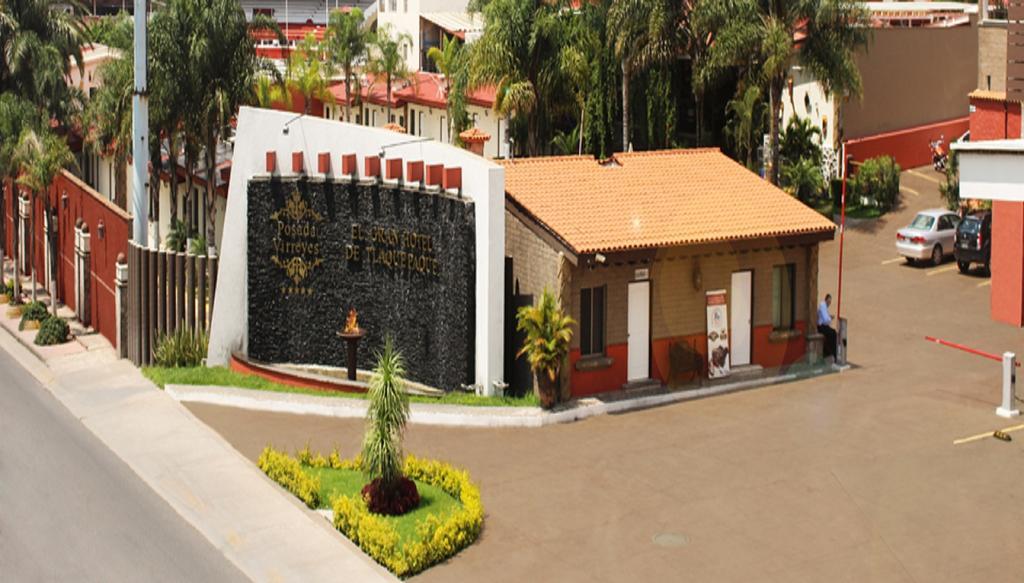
pixel 739 312
pixel 639 345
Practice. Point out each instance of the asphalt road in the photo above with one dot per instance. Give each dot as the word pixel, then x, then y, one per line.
pixel 70 510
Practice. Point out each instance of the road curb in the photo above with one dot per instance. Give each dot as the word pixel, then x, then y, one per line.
pixel 460 415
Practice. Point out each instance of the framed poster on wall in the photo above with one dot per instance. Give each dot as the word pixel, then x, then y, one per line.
pixel 718 334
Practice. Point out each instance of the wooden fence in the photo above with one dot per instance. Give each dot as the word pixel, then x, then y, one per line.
pixel 166 291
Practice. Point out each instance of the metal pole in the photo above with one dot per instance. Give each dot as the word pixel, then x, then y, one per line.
pixel 1007 409
pixel 840 348
pixel 140 133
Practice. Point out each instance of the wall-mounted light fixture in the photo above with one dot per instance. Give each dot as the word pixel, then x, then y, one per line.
pixel 64 200
pixel 101 229
pixel 600 259
pixel 698 277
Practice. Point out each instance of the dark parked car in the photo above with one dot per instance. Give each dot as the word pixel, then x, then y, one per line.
pixel 974 241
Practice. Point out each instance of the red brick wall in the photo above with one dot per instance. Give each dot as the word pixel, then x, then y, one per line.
pixel 994 120
pixel 91 207
pixel 1008 262
pixel 910 146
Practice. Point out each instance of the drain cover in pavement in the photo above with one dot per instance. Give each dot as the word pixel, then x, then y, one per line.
pixel 670 539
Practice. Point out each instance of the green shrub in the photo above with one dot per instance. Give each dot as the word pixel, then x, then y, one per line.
pixel 178 236
pixel 199 246
pixel 950 189
pixel 33 312
pixel 287 471
pixel 181 348
pixel 877 181
pixel 53 330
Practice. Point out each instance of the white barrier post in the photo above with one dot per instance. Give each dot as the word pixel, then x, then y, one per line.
pixel 1009 387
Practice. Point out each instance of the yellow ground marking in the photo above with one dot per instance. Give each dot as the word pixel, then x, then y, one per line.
pixel 987 434
pixel 946 269
pixel 987 282
pixel 925 176
pixel 910 190
pixel 893 260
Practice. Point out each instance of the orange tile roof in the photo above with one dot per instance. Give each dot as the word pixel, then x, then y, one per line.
pixel 986 95
pixel 654 199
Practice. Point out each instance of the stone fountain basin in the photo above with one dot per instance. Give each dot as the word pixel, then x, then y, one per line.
pixel 319 377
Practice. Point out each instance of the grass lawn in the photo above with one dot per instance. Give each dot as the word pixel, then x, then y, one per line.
pixel 433 500
pixel 826 208
pixel 225 377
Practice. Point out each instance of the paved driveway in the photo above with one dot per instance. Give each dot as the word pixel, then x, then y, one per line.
pixel 848 477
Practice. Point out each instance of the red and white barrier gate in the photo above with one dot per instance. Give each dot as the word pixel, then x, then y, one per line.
pixel 1008 407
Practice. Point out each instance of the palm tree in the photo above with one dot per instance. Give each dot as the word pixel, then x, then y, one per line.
pixel 41 158
pixel 38 40
pixel 307 74
pixel 452 61
pixel 269 92
pixel 346 44
pixel 759 36
pixel 746 119
pixel 387 59
pixel 799 141
pixel 16 115
pixel 518 54
pixel 386 417
pixel 548 334
pixel 802 178
pixel 226 68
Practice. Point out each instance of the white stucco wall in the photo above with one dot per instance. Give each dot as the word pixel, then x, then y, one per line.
pixel 810 102
pixel 260 131
pixel 991 170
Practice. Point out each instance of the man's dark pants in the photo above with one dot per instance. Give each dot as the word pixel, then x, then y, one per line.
pixel 830 339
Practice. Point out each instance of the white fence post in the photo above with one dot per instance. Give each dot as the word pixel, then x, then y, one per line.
pixel 1009 387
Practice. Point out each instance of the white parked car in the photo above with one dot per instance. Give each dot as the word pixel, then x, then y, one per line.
pixel 930 236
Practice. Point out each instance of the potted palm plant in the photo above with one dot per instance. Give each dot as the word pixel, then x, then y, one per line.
pixel 548 333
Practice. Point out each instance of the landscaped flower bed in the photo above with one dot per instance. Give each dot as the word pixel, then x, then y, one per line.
pixel 448 519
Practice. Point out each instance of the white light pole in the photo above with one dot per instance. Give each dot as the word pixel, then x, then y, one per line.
pixel 140 133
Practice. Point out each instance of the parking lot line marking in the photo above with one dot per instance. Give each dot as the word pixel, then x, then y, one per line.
pixel 946 269
pixel 910 190
pixel 893 260
pixel 925 176
pixel 985 283
pixel 986 434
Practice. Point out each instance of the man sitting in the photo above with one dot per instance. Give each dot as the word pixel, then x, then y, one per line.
pixel 825 326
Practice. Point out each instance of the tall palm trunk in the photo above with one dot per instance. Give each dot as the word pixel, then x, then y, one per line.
pixel 172 159
pixel 775 109
pixel 121 181
pixel 157 162
pixel 388 120
pixel 32 242
pixel 15 234
pixel 583 120
pixel 190 172
pixel 51 245
pixel 210 220
pixel 348 94
pixel 625 107
pixel 698 97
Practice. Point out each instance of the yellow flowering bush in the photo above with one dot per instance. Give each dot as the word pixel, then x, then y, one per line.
pixel 287 471
pixel 437 537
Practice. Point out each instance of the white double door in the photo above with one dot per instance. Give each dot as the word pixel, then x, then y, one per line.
pixel 741 304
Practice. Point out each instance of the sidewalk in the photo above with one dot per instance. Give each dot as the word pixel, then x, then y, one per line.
pixel 265 532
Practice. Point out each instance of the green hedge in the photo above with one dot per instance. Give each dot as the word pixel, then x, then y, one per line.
pixel 877 181
pixel 34 312
pixel 438 537
pixel 287 471
pixel 53 330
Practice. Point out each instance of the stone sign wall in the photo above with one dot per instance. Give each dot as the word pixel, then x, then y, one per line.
pixel 403 259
